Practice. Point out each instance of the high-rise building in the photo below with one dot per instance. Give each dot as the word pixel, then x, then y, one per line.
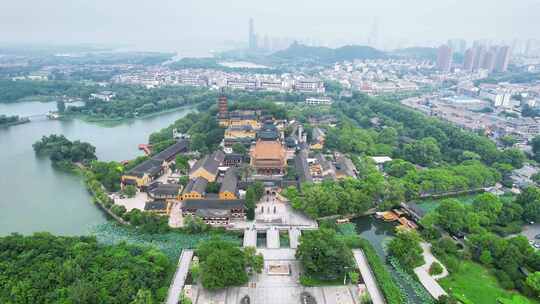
pixel 479 54
pixel 373 39
pixel 488 62
pixel 468 60
pixel 252 38
pixel 457 45
pixel 444 58
pixel 502 59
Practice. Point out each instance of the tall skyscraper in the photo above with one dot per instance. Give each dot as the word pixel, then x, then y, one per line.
pixel 468 60
pixel 479 54
pixel 502 59
pixel 373 39
pixel 488 62
pixel 444 58
pixel 457 45
pixel 252 38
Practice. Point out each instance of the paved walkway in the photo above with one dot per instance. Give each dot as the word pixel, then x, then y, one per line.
pixel 425 278
pixel 272 238
pixel 175 218
pixel 179 277
pixel 250 237
pixel 294 236
pixel 368 277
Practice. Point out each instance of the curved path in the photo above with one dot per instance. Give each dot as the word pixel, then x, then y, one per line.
pixel 425 278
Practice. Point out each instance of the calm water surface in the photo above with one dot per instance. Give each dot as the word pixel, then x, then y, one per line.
pixel 34 196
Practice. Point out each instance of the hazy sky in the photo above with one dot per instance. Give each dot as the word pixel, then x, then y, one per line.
pixel 195 24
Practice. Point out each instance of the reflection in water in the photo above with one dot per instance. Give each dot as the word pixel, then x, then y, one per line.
pixel 35 197
pixel 379 233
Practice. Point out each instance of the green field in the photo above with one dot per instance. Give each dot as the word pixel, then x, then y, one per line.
pixel 476 284
pixel 429 205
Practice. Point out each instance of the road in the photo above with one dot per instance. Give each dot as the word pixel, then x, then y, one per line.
pixel 272 238
pixel 294 236
pixel 368 277
pixel 179 277
pixel 250 237
pixel 429 282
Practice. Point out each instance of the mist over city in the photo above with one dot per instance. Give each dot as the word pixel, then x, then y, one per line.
pixel 282 152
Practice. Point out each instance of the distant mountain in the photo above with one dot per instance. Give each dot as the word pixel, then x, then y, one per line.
pixel 302 53
pixel 425 53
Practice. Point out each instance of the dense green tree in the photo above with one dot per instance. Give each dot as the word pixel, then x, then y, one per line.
pixel 108 174
pixel 323 254
pixel 452 216
pixel 223 264
pixel 533 280
pixel 406 248
pixel 424 152
pixel 181 163
pixel 60 149
pixel 529 200
pixel 535 144
pixel 43 268
pixel 130 191
pixel 239 148
pixel 194 224
pixel 399 167
pixel 512 156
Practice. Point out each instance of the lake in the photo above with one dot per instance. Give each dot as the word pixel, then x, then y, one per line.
pixel 36 197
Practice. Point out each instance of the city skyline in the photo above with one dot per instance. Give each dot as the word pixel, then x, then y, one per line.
pixel 166 25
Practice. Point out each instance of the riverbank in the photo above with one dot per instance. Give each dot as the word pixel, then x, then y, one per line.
pixel 14 123
pixel 120 120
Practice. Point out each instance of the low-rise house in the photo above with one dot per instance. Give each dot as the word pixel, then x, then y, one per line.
pixel 233 160
pixel 143 173
pixel 327 169
pixel 318 100
pixel 195 189
pixel 245 131
pixel 318 137
pixel 165 191
pixel 344 166
pixel 380 161
pixel 229 185
pixel 208 166
pixel 215 211
pixel 161 206
pixel 169 154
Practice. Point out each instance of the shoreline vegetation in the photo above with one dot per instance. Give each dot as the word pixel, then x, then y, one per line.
pixel 113 121
pixel 8 121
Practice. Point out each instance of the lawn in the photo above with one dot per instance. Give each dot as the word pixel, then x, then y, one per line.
pixel 477 284
pixel 429 205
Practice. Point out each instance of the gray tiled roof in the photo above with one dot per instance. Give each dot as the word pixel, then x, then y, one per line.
pixel 196 185
pixel 210 162
pixel 230 181
pixel 166 189
pixel 150 167
pixel 171 151
pixel 213 204
pixel 157 205
pixel 302 167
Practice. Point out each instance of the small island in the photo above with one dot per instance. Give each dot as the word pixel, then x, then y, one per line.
pixel 7 121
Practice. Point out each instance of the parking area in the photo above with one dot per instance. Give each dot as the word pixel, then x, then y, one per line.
pixel 532 233
pixel 137 201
